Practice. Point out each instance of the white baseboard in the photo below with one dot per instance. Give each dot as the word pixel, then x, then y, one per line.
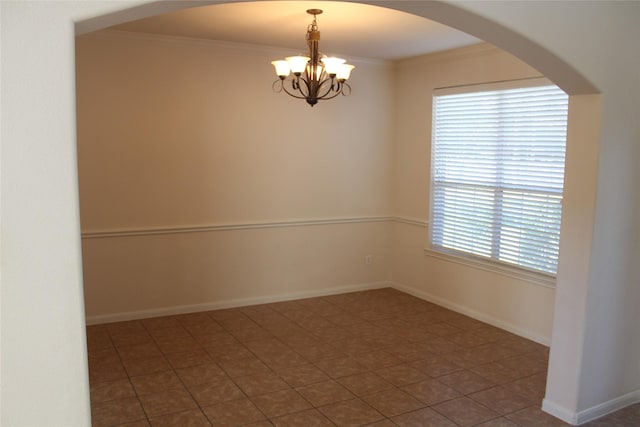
pixel 218 305
pixel 593 413
pixel 483 317
pixel 559 412
pixel 608 407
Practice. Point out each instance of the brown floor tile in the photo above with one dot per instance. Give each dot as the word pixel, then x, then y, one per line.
pixel 501 400
pixel 284 360
pixel 253 333
pixel 217 339
pixel 234 413
pixel 100 373
pixel 409 352
pixel 332 333
pixel 103 392
pixel 356 345
pixel 365 383
pixel 188 358
pixel 343 319
pixel 267 345
pixel 155 383
pixel 98 338
pixel 178 344
pixel 139 351
pixel 442 329
pixel 441 345
pixel 297 376
pixel 522 345
pixel 466 382
pixel 125 327
pixel 167 402
pixel 395 340
pixel 214 393
pixel 436 366
pixel 254 385
pixel 470 339
pixel 393 402
pixel 263 423
pixel 136 367
pixel 192 418
pixel 234 324
pixel 103 355
pixel 133 338
pixel 116 412
pixel 229 352
pixel 465 412
pixel 400 375
pixel 424 417
pixel 524 366
pixel 341 367
pixel 377 359
pixel 498 422
pixel 316 353
pixel 382 423
pixel 324 393
pixel 169 333
pixel 532 387
pixel 139 423
pixel 535 417
pixel 496 372
pixel 242 367
pixel 280 403
pixel 205 327
pixel 309 418
pixel 431 392
pixel 201 374
pixel 351 413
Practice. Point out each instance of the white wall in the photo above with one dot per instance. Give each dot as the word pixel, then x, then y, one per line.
pixel 188 136
pixel 600 316
pixel 41 281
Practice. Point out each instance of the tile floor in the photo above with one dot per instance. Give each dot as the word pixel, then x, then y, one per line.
pixel 376 358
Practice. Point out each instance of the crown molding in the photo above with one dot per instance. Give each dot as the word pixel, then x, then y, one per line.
pixel 111 34
pixel 472 51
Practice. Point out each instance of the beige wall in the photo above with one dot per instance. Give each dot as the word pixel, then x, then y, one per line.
pixel 257 194
pixel 522 306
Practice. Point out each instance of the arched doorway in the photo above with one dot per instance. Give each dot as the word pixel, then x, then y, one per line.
pixel 37 33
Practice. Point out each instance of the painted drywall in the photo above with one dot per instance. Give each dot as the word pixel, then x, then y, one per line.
pixel 41 281
pixel 601 371
pixel 520 306
pixel 183 134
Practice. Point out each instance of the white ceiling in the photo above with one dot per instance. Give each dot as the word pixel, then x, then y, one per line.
pixel 349 29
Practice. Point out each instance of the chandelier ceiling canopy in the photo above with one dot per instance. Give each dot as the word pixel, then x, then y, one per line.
pixel 312 77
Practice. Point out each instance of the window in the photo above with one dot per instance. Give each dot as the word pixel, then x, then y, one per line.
pixel 497 172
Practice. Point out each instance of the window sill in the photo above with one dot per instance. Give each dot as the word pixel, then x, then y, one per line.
pixel 494 267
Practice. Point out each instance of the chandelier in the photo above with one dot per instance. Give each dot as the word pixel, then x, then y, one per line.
pixel 313 77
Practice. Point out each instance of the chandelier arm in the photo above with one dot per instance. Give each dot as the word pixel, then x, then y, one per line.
pixel 332 96
pixel 345 85
pixel 330 86
pixel 293 94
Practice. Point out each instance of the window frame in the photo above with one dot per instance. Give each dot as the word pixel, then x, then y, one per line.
pixel 512 270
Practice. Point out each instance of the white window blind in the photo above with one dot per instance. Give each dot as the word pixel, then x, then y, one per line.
pixel 498 172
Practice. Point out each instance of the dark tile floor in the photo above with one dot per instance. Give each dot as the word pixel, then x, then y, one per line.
pixel 374 358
